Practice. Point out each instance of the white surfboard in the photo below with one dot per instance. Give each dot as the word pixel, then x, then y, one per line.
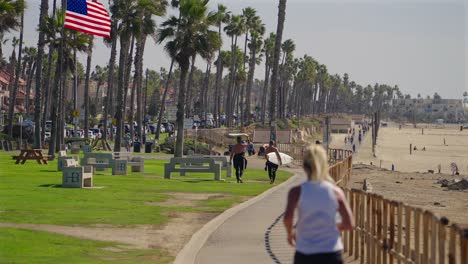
pixel 235 135
pixel 285 158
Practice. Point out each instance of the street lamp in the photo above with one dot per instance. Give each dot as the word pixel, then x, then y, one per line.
pixel 20 120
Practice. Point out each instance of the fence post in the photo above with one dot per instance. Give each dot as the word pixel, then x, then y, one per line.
pixel 417 239
pixel 434 221
pixel 408 232
pixel 391 243
pixel 379 229
pixel 442 238
pixel 364 229
pixel 425 252
pixel 452 245
pixel 357 221
pixel 351 233
pixel 385 231
pixel 400 230
pixel 368 227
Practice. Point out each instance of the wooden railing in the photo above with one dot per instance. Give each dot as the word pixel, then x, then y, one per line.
pixel 341 171
pixel 297 152
pixel 390 231
pixel 393 232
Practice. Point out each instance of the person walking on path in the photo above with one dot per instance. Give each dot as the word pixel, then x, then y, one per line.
pixel 317 235
pixel 271 167
pixel 238 154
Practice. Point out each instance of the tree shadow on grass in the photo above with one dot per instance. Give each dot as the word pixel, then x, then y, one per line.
pixel 48 171
pixel 51 185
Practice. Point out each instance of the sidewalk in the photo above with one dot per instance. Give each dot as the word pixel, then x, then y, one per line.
pixel 254 234
pixel 246 237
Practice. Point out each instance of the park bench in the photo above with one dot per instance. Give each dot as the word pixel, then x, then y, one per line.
pixel 74 176
pixel 192 164
pixel 223 160
pixel 75 148
pixel 137 163
pixel 62 157
pixel 100 161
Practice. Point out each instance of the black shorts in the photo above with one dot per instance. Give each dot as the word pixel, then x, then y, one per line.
pixel 239 162
pixel 328 258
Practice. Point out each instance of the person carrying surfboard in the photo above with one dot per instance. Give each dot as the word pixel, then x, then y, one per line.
pixel 271 167
pixel 238 155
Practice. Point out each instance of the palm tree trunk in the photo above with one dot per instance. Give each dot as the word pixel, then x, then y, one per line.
pixel 32 71
pixel 179 149
pixel 140 113
pixel 163 101
pixel 131 115
pixel 250 83
pixel 54 103
pixel 190 89
pixel 274 78
pixel 17 77
pixel 86 90
pixel 127 76
pixel 124 44
pixel 108 109
pixel 265 87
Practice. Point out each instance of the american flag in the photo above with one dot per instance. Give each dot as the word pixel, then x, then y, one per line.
pixel 88 17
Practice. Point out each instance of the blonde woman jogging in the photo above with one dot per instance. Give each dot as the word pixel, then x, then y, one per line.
pixel 317 234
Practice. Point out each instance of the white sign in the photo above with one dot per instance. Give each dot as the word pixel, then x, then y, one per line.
pixel 171 112
pixel 188 123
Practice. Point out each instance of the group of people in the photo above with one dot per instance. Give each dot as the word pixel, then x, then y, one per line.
pixel 237 157
pixel 316 236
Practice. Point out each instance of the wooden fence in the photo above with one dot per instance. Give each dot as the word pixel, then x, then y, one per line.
pixel 297 152
pixel 393 232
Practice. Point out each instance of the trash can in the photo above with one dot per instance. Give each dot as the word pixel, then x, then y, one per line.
pixel 137 147
pixel 148 147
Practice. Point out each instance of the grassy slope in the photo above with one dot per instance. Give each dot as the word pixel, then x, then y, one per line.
pixel 31 193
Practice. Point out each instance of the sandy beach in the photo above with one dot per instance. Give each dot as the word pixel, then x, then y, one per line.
pixel 393 148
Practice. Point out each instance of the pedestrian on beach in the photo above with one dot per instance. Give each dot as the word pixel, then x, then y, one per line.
pixel 316 236
pixel 238 155
pixel 272 167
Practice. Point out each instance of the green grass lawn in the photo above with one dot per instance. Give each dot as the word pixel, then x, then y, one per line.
pixel 32 193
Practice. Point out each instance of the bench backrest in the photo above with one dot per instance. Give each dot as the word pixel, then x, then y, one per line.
pixel 62 153
pixel 187 162
pixel 222 159
pixel 122 155
pixel 71 163
pixel 97 158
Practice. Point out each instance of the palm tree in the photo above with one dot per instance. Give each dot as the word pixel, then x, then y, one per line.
pixel 194 36
pixel 234 29
pixel 274 76
pixel 174 4
pixel 123 11
pixel 13 94
pixel 98 75
pixel 222 16
pixel 257 30
pixel 145 26
pixel 268 49
pixel 29 60
pixel 10 18
pixel 66 41
pixel 86 90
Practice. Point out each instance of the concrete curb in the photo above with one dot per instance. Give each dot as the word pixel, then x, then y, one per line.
pixel 190 251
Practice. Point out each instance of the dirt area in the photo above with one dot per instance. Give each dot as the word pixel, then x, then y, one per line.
pixel 189 199
pixel 170 237
pixel 417 189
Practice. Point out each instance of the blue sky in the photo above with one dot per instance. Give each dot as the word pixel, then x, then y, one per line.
pixel 421 46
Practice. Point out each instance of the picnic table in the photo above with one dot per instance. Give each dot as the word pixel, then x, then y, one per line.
pixel 31 154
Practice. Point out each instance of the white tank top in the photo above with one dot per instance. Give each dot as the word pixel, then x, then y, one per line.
pixel 316 230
